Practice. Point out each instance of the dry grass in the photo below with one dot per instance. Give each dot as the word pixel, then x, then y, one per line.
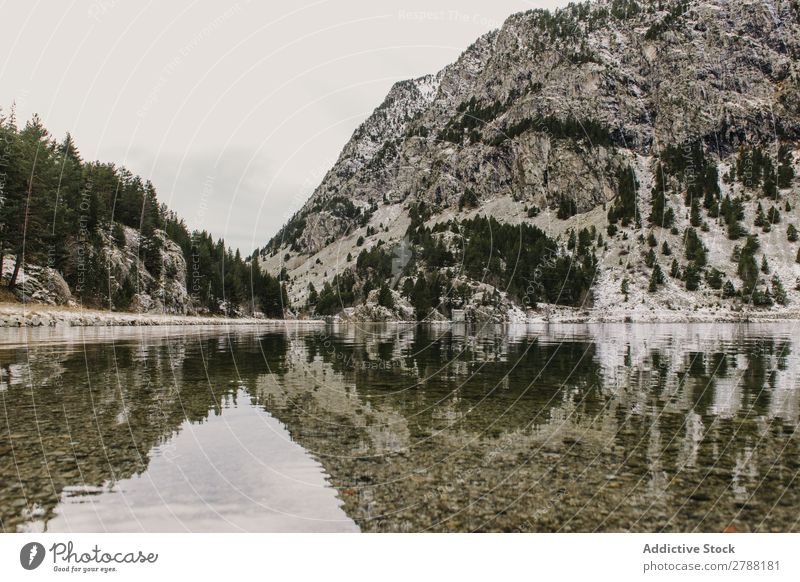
pixel 7 297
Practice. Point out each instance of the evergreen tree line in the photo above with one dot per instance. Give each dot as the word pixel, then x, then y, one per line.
pixel 60 211
pixel 519 259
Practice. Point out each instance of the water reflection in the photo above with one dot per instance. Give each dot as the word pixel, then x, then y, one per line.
pixel 559 428
pixel 149 432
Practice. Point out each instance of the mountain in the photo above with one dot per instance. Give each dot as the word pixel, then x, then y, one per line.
pixel 612 156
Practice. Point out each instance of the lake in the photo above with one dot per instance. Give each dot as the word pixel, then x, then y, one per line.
pixel 401 428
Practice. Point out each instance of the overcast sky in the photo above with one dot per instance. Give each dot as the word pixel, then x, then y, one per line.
pixel 233 110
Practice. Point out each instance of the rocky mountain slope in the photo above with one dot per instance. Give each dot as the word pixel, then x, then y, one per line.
pixel 644 154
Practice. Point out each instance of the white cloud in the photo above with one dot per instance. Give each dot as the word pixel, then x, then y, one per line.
pixel 261 95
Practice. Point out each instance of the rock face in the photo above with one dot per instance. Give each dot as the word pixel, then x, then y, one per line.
pixel 128 277
pixel 554 107
pixel 165 293
pixel 39 284
pixel 400 310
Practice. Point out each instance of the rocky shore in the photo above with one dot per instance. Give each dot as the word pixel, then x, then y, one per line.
pixel 48 316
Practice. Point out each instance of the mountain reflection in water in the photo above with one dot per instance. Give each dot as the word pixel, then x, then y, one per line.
pixel 401 428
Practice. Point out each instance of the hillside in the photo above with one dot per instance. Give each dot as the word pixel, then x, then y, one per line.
pixel 93 235
pixel 613 157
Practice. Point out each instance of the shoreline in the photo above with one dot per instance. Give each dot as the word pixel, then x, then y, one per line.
pixel 41 315
pixel 12 316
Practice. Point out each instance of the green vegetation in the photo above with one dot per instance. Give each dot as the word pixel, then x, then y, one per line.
pixel 468 200
pixel 558 129
pixel 714 278
pixel 337 294
pixel 656 278
pixel 755 168
pixel 288 234
pixel 728 290
pixel 523 260
pixel 520 259
pixel 732 212
pixel 675 269
pixel 785 169
pixel 385 298
pixel 471 117
pixel 566 207
pixel 694 248
pixel 778 291
pixel 691 276
pixel 748 268
pixel 67 213
pixel 624 208
pixel 694 214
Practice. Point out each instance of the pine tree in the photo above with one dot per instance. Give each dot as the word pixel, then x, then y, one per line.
pixel 675 269
pixel 748 268
pixel 778 291
pixel 761 218
pixel 385 298
pixel 691 276
pixel 695 219
pixel 656 278
pixel 770 187
pixel 728 290
pixel 13 206
pixel 665 250
pixel 732 211
pixel 313 296
pixel 764 264
pixel 624 208
pixel 695 250
pixel 30 194
pixel 660 212
pixel 421 298
pixel 791 233
pixel 711 190
pixel 65 203
pixel 785 169
pixel 714 279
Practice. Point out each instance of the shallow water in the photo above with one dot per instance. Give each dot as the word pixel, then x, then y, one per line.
pixel 400 428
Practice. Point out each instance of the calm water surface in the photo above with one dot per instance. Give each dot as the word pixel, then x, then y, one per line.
pixel 401 428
